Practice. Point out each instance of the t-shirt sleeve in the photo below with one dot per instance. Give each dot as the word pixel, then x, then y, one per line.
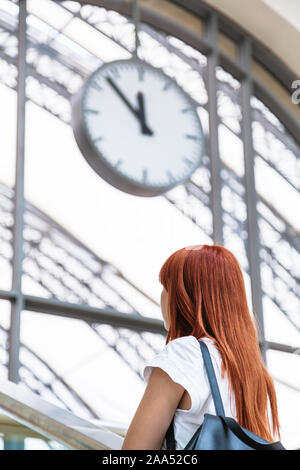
pixel 181 360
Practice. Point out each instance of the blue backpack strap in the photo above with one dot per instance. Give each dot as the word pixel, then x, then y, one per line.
pixel 212 379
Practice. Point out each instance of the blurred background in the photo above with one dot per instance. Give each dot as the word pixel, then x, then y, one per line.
pixel 79 258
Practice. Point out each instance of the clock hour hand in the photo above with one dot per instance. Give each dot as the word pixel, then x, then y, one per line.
pixel 137 113
pixel 145 128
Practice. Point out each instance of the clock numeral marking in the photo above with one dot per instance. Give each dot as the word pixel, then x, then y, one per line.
pixel 115 72
pixel 116 165
pixel 186 110
pixel 141 73
pixel 193 137
pixel 96 85
pixel 145 175
pixel 92 111
pixel 167 85
pixel 189 162
pixel 171 177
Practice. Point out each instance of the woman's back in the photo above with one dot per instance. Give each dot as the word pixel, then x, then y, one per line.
pixel 182 360
pixel 204 296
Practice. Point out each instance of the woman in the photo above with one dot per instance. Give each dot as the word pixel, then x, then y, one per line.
pixel 203 297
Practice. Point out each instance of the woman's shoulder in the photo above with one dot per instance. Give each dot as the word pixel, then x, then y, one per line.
pixel 182 360
pixel 186 350
pixel 184 354
pixel 191 343
pixel 179 352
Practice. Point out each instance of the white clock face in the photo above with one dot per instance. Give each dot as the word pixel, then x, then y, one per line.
pixel 141 125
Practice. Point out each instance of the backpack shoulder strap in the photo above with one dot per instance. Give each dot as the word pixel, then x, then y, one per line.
pixel 212 379
pixel 170 439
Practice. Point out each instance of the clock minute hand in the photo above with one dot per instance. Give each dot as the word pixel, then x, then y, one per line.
pixel 123 97
pixel 128 104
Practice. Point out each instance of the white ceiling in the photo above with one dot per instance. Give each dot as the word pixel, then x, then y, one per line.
pixel 289 9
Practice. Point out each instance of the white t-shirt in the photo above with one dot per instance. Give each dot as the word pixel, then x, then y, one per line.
pixel 182 360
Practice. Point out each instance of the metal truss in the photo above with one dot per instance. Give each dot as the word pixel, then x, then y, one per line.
pixel 68 271
pixel 56 386
pixel 227 92
pixel 285 161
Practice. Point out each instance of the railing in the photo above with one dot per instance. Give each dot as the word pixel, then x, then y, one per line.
pixel 53 422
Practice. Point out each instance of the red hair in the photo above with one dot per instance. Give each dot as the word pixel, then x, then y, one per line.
pixel 207 297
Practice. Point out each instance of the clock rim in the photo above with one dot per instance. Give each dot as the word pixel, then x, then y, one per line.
pixel 97 160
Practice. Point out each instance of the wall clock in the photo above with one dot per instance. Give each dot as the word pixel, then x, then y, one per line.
pixel 137 128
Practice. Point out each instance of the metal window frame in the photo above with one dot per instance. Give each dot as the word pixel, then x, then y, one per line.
pixel 239 69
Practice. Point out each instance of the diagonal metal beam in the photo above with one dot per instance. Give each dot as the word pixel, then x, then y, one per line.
pixel 108 316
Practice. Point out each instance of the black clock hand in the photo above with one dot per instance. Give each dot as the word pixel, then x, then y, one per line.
pixel 145 128
pixel 132 109
pixel 128 104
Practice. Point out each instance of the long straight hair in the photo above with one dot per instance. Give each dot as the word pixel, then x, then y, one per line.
pixel 207 298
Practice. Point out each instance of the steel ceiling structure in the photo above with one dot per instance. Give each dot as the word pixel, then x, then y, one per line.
pixel 220 199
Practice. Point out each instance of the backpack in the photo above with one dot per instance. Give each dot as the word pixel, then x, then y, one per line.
pixel 220 432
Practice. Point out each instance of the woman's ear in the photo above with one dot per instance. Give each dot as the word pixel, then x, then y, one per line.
pixel 164 307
